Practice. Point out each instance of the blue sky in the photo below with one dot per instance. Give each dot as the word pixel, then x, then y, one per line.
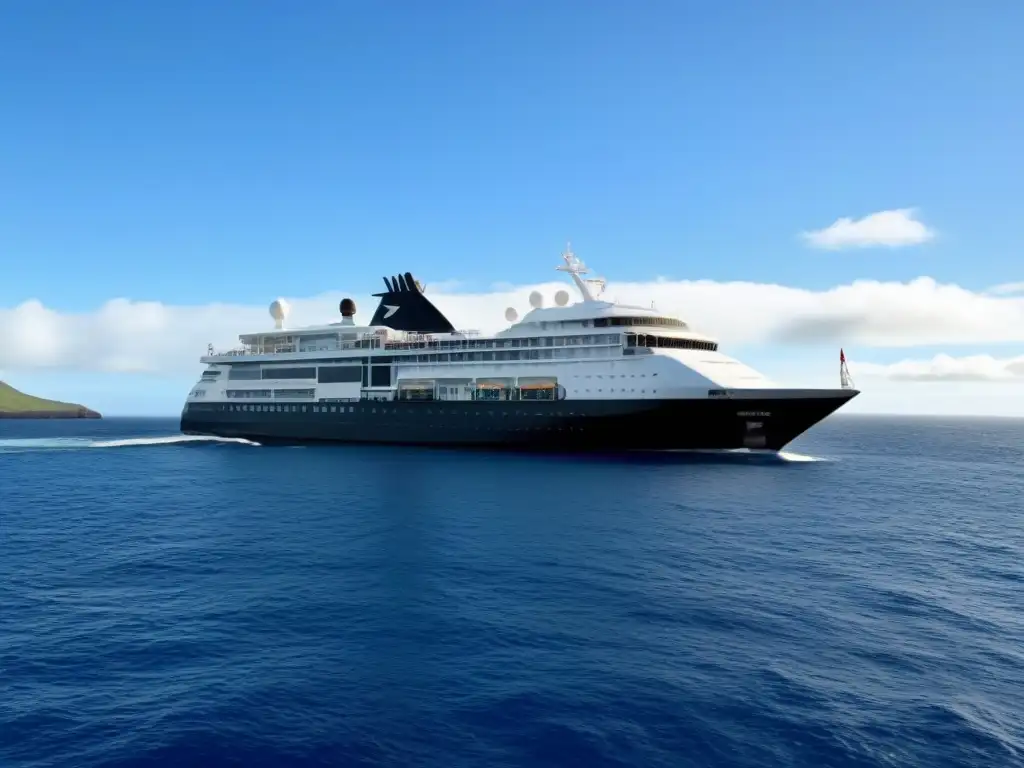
pixel 192 152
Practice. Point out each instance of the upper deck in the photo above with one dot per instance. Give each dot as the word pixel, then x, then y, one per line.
pixel 407 320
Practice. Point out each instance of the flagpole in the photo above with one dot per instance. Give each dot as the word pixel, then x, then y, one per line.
pixel 845 380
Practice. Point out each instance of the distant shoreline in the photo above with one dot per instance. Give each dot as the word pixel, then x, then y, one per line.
pixel 83 413
pixel 15 404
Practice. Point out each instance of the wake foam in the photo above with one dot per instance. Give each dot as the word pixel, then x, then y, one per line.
pixel 787 456
pixel 44 443
pixel 169 440
pixel 78 443
pixel 754 455
pixel 798 457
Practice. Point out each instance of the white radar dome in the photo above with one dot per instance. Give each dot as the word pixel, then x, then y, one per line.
pixel 562 298
pixel 536 300
pixel 279 310
pixel 511 315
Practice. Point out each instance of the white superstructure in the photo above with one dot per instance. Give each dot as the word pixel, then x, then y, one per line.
pixel 591 349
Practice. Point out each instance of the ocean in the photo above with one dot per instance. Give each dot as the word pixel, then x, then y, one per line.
pixel 171 602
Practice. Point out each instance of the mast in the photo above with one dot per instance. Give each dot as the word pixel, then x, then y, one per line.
pixel 575 268
pixel 845 379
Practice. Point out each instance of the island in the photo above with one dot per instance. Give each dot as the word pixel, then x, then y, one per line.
pixel 18 405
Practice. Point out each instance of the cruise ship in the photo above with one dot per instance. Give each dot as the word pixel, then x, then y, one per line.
pixel 584 375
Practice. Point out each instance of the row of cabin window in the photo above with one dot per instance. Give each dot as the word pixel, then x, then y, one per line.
pixel 533 341
pixel 328 374
pixel 268 408
pixel 269 348
pixel 505 355
pixel 651 322
pixel 289 394
pixel 663 342
pixel 338 374
pixel 546 341
pixel 272 346
pixel 507 393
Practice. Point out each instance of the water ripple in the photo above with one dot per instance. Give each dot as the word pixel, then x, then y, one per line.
pixel 209 604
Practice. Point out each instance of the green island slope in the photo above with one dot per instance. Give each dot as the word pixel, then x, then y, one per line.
pixel 18 405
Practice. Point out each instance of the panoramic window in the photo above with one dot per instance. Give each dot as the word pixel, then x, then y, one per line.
pixel 651 322
pixel 652 341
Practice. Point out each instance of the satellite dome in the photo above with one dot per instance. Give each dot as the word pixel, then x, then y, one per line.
pixel 279 311
pixel 562 298
pixel 511 315
pixel 536 299
pixel 347 307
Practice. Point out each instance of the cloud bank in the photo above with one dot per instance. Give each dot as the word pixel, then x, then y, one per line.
pixel 894 229
pixel 128 336
pixel 944 368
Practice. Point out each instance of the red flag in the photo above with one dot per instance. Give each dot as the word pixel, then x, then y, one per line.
pixel 842 357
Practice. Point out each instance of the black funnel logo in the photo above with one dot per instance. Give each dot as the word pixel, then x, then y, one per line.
pixel 404 307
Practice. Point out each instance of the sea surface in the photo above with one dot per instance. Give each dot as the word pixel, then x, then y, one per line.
pixel 171 602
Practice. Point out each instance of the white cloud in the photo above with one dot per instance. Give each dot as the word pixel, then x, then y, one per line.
pixel 895 228
pixel 126 336
pixel 944 368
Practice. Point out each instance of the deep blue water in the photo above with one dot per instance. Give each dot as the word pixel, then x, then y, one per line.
pixel 210 604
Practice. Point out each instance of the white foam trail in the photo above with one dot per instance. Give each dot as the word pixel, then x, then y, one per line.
pixel 72 443
pixel 755 453
pixel 30 443
pixel 169 440
pixel 798 457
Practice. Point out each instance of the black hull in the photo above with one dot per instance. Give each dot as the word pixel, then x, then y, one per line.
pixel 578 425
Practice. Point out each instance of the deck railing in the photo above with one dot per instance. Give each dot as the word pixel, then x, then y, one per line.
pixel 374 340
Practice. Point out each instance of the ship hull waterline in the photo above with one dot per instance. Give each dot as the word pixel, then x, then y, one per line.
pixel 566 425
